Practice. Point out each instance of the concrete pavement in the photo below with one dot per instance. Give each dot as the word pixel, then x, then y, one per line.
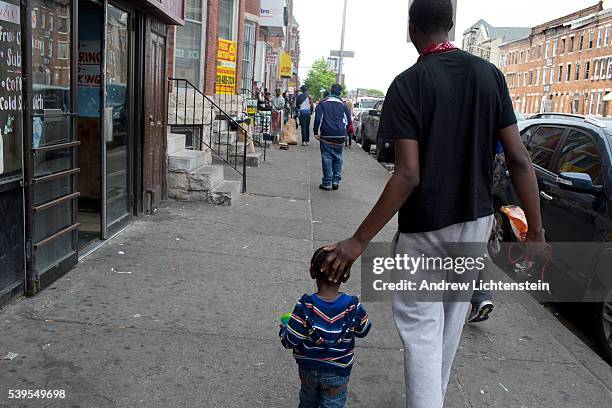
pixel 186 315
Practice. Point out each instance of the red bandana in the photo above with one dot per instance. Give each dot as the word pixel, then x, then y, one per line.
pixel 438 48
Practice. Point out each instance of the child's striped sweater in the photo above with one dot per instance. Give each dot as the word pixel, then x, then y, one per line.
pixel 322 334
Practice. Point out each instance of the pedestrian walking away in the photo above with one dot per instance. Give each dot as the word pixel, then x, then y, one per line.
pixel 441 185
pixel 321 331
pixel 332 117
pixel 305 109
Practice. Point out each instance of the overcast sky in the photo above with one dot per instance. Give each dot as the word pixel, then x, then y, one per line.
pixel 377 31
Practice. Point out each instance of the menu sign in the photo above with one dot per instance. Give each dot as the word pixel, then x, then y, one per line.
pixel 10 88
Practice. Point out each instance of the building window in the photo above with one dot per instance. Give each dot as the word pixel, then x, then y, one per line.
pixel 599 103
pixel 552 75
pixel 596 70
pixel 537 77
pixel 555 46
pixel 62 50
pixel 521 57
pixel 591 38
pixel 591 103
pixel 568 75
pixel 51 22
pixel 248 58
pixel 587 68
pixel 62 25
pixel 562 50
pixel 599 37
pixel 560 77
pixel 571 44
pixel 226 19
pixel 609 68
pixel 531 77
pixel 188 45
pixel 604 66
pixel 607 39
pixel 540 52
pixel 577 73
pixel 581 42
pixel 525 79
pixel 533 53
pixel 547 49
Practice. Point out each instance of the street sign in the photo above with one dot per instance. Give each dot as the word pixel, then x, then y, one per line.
pixel 346 54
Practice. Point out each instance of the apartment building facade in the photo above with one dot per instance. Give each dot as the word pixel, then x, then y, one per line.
pixel 483 40
pixel 565 65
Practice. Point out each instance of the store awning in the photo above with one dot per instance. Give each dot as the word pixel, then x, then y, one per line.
pixel 170 11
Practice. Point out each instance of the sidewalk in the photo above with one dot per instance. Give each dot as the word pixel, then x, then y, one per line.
pixel 181 311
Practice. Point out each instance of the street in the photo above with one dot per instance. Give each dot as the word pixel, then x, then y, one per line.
pixel 181 310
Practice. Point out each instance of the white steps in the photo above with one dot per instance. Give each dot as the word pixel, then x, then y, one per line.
pixel 191 176
pixel 186 161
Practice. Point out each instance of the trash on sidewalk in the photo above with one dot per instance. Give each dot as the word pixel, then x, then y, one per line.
pixel 504 387
pixel 9 356
pixel 46 347
pixel 121 253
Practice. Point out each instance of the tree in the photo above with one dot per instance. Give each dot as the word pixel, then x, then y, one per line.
pixel 319 77
pixel 375 93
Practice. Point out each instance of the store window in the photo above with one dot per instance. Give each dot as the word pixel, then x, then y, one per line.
pixel 226 19
pixel 188 61
pixel 10 101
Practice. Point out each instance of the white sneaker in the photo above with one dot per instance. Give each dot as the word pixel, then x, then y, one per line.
pixel 481 311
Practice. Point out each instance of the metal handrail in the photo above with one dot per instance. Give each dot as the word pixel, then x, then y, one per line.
pixel 216 113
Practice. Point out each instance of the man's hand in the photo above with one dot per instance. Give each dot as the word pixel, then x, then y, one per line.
pixel 340 259
pixel 317 136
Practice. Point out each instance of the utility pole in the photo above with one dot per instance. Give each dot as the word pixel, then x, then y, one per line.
pixel 339 76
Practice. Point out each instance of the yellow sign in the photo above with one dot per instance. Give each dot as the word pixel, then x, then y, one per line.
pixel 226 67
pixel 286 65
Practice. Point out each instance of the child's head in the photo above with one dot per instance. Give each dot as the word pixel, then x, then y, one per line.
pixel 316 262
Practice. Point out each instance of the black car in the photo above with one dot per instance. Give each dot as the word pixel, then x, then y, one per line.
pixel 385 148
pixel 572 157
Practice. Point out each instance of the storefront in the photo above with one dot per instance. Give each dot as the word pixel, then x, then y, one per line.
pixel 94 126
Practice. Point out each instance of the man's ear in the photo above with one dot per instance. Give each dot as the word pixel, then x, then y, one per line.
pixel 312 272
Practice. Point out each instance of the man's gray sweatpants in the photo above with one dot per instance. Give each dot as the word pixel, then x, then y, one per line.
pixel 431 331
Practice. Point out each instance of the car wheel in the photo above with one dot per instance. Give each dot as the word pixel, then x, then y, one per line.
pixel 604 326
pixel 365 144
pixel 501 233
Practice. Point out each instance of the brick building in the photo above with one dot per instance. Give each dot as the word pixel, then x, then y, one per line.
pixel 260 29
pixel 565 65
pixel 483 40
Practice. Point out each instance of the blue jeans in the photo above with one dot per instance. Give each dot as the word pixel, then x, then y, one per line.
pixel 331 157
pixel 305 125
pixel 322 389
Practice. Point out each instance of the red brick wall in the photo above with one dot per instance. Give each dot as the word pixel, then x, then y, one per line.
pixel 253 6
pixel 528 97
pixel 212 38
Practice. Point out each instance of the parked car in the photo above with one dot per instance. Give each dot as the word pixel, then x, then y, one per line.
pixel 572 157
pixel 361 106
pixel 385 148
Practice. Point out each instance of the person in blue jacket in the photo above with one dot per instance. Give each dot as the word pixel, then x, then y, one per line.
pixel 332 117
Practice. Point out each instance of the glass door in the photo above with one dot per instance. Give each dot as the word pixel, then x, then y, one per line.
pixel 51 168
pixel 116 126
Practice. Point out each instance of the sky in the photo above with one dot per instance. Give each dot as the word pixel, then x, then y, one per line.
pixel 377 31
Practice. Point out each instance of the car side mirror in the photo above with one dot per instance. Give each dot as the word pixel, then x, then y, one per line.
pixel 374 112
pixel 578 182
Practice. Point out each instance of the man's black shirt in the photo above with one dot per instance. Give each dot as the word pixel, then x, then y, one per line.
pixel 454 104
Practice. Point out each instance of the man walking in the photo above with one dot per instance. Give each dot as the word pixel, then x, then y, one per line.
pixel 331 119
pixel 305 108
pixel 446 113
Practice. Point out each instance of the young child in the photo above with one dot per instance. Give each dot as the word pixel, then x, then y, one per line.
pixel 321 331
